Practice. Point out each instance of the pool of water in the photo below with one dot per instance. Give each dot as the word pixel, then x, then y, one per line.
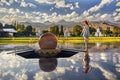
pixel 104 60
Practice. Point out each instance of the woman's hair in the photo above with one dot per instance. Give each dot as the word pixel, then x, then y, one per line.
pixel 86 22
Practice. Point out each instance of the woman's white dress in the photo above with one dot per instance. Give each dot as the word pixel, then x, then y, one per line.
pixel 86 31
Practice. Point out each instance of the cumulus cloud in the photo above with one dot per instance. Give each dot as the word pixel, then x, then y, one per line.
pixel 106 17
pixel 13 14
pixel 77 5
pixel 13 11
pixel 98 17
pixel 24 4
pixel 97 7
pixel 89 14
pixel 101 5
pixel 60 3
pixel 118 4
pixel 114 13
pixel 38 16
pixel 118 10
pixel 9 11
pixel 46 1
pixel 56 18
pixel 117 18
pixel 2 2
pixel 10 18
pixel 21 2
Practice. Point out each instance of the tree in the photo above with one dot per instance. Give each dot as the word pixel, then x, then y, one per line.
pixel 9 26
pixel 61 33
pixel 33 31
pixel 104 32
pixel 108 31
pixel 92 30
pixel 28 30
pixel 77 30
pixel 55 30
pixel 116 31
pixel 44 31
pixel 14 23
pixel 1 26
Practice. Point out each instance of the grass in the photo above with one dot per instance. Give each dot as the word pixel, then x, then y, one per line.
pixel 28 40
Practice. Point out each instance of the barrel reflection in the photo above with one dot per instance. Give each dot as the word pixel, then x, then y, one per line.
pixel 48 64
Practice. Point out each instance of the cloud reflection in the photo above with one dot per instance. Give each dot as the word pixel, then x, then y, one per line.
pixel 105 63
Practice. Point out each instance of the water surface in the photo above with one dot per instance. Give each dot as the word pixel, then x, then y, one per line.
pixel 105 62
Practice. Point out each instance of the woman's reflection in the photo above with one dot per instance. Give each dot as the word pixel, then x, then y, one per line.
pixel 86 60
pixel 48 64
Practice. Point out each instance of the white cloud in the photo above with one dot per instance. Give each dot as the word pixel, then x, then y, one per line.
pixel 72 8
pixel 24 4
pixel 3 10
pixel 9 11
pixel 56 18
pixel 98 17
pixel 101 5
pixel 118 4
pixel 90 17
pixel 114 13
pixel 13 11
pixel 106 17
pixel 118 10
pixel 89 14
pixel 117 18
pixel 60 3
pixel 10 18
pixel 97 7
pixel 32 5
pixel 7 2
pixel 85 13
pixel 21 16
pixel 47 1
pixel 77 5
pixel 4 2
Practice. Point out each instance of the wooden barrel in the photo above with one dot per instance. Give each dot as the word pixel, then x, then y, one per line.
pixel 48 41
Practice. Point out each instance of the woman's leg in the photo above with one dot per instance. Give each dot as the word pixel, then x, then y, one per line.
pixel 86 43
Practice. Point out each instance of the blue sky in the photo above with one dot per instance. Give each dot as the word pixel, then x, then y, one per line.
pixel 57 10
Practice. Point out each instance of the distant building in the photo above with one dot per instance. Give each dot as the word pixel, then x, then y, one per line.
pixel 7 32
pixel 98 32
pixel 38 32
pixel 67 33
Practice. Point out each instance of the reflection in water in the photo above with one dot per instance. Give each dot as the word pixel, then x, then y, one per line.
pixel 86 59
pixel 48 64
pixel 98 44
pixel 85 62
pixel 105 65
pixel 91 46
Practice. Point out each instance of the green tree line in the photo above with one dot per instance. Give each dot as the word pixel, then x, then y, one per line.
pixel 77 31
pixel 22 30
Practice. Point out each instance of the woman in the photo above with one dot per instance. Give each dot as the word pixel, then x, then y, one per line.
pixel 86 33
